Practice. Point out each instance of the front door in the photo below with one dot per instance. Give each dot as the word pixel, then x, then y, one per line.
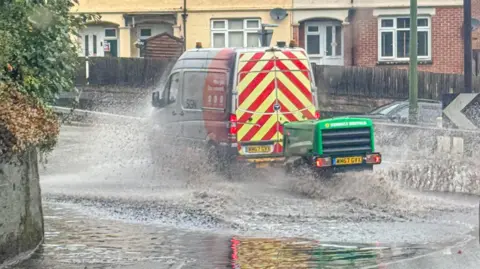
pixel 92 42
pixel 324 42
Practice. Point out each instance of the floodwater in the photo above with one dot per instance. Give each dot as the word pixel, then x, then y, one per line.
pixel 74 240
pixel 108 205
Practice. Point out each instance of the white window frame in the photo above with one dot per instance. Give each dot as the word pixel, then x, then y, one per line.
pixel 322 31
pixel 225 31
pixel 394 30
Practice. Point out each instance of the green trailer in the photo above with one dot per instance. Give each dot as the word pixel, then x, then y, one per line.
pixel 331 145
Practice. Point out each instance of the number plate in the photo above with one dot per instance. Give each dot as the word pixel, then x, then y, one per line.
pixel 258 149
pixel 348 160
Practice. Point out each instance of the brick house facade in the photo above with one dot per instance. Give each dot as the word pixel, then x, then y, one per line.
pixel 440 37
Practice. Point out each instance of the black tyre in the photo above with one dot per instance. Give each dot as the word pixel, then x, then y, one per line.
pixel 213 158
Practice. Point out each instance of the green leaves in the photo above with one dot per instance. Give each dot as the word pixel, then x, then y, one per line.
pixel 35 37
pixel 38 60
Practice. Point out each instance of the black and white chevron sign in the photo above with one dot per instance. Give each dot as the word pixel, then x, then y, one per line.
pixel 462 110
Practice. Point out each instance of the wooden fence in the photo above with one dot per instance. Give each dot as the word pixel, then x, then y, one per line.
pixel 131 72
pixel 333 80
pixel 385 82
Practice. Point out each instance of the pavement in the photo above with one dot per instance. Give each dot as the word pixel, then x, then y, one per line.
pixel 106 200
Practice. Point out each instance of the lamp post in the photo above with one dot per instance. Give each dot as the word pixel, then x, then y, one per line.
pixel 412 72
pixel 184 17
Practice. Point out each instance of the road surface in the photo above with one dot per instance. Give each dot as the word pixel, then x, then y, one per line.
pixel 103 176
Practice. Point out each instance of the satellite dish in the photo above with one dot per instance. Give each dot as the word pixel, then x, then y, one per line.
pixel 475 24
pixel 278 14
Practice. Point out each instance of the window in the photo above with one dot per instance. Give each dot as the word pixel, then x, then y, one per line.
pixel 94 45
pixel 145 32
pixel 212 84
pixel 171 91
pixel 324 39
pixel 235 33
pixel 394 38
pixel 87 48
pixel 111 33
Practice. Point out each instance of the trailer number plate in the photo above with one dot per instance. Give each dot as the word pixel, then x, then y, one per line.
pixel 258 149
pixel 348 160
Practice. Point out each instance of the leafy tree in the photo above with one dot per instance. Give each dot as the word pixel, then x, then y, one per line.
pixel 41 54
pixel 38 60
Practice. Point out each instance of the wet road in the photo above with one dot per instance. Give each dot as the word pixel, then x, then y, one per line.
pixel 106 175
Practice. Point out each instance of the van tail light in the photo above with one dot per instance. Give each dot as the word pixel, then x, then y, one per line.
pixel 232 127
pixel 317 114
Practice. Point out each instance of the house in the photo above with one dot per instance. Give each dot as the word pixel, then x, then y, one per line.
pixel 376 33
pixel 126 25
pixel 333 32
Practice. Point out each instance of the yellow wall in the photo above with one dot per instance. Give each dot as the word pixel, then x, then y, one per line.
pixel 341 4
pixel 113 18
pixel 103 6
pixel 200 13
pixel 198 26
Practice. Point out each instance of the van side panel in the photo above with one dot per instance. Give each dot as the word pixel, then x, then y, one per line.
pixel 215 95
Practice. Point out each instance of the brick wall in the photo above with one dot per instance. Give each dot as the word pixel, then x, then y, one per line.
pixel 365 37
pixel 476 33
pixel 447 43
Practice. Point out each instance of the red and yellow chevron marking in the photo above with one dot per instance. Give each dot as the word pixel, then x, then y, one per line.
pixel 267 78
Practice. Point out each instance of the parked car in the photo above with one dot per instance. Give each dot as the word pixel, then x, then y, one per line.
pixel 428 112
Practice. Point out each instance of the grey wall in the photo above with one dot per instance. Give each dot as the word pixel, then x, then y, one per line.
pixel 21 217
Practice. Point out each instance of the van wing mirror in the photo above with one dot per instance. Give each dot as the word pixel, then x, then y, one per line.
pixel 156 100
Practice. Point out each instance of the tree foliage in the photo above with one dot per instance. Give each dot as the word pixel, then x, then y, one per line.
pixel 41 55
pixel 38 60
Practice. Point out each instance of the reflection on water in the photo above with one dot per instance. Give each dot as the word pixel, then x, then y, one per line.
pixel 300 253
pixel 74 240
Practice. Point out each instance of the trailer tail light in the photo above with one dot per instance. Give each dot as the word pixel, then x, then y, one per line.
pixel 323 162
pixel 374 158
pixel 232 127
pixel 317 114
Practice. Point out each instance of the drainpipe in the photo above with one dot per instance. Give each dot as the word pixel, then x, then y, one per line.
pixel 351 13
pixel 184 17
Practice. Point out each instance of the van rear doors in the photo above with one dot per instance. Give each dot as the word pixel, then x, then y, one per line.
pixel 273 87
